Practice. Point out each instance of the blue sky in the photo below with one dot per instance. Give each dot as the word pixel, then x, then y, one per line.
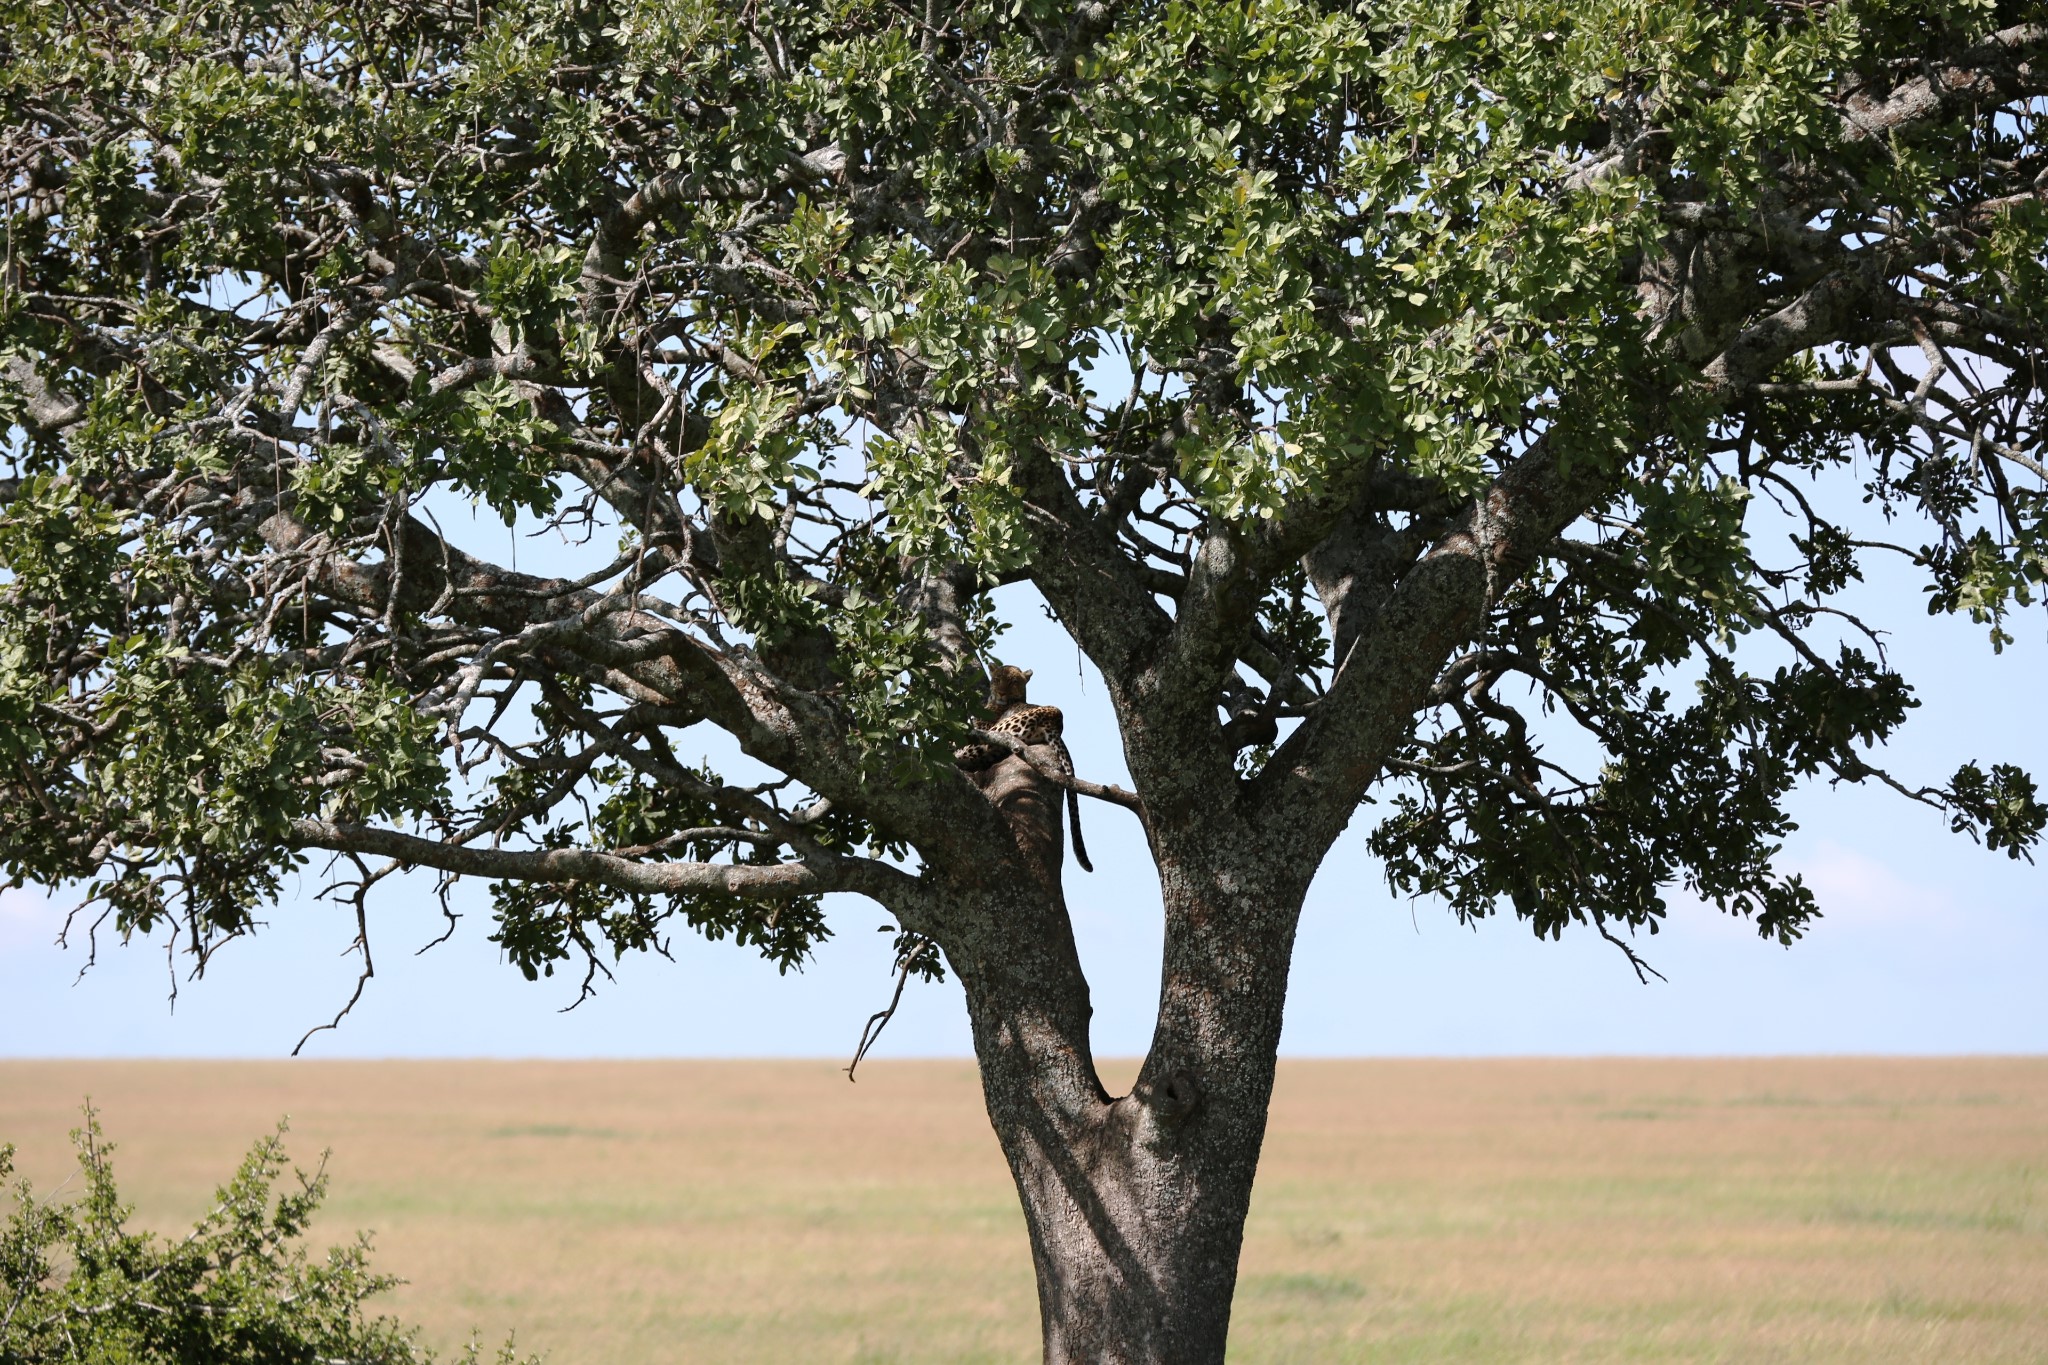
pixel 1929 945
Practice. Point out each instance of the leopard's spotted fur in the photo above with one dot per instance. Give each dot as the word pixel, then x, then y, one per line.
pixel 1008 713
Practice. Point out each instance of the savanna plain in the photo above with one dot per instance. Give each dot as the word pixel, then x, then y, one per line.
pixel 1471 1211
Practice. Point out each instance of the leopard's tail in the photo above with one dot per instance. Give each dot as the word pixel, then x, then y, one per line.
pixel 1074 819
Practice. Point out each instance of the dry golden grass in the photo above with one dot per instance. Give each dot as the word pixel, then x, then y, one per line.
pixel 1408 1210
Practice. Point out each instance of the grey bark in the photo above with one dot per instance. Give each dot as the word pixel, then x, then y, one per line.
pixel 1135 1204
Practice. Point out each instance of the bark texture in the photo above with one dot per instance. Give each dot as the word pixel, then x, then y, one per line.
pixel 1135 1203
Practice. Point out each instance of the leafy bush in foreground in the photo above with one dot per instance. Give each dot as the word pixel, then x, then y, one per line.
pixel 77 1285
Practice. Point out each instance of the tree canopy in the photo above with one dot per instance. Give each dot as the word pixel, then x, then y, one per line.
pixel 1390 399
pixel 834 316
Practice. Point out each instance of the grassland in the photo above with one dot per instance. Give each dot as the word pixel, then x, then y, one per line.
pixel 1795 1210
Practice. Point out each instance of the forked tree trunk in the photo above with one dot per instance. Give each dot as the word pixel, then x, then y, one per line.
pixel 1135 1205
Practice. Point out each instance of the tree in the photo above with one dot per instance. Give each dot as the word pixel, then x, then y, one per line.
pixel 77 1285
pixel 1390 399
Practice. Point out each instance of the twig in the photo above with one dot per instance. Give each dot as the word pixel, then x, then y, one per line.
pixel 1634 959
pixel 359 897
pixel 879 1020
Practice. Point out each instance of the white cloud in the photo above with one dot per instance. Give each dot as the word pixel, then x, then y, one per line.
pixel 1854 891
pixel 1855 888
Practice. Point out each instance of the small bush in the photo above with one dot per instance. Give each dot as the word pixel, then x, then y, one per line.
pixel 77 1286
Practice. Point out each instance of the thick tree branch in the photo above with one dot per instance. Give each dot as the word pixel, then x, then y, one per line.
pixel 1087 578
pixel 1988 71
pixel 1318 775
pixel 812 876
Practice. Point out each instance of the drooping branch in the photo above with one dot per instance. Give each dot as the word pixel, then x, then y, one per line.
pixel 815 874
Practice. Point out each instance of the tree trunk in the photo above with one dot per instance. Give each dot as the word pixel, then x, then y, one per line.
pixel 1136 1205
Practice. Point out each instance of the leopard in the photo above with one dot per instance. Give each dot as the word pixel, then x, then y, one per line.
pixel 1009 712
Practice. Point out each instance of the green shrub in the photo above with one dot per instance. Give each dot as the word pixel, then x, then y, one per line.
pixel 76 1285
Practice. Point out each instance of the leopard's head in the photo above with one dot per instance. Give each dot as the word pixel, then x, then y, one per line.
pixel 1006 684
